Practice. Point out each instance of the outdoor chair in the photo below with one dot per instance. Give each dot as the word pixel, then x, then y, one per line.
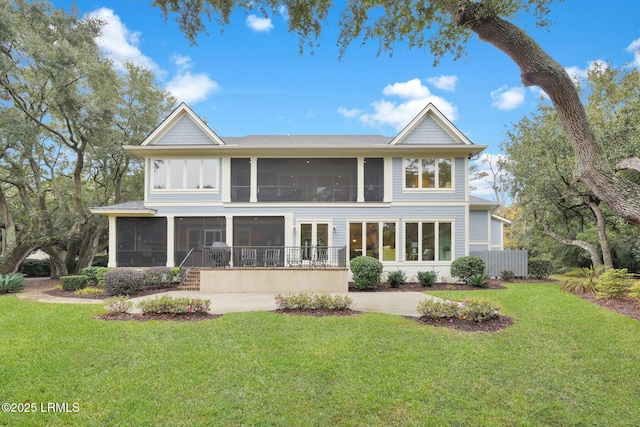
pixel 271 257
pixel 248 257
pixel 321 258
pixel 295 257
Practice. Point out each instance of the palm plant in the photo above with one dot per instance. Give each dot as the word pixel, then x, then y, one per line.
pixel 583 280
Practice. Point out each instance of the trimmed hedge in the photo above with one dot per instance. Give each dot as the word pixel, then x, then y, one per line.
pixel 366 272
pixel 74 283
pixel 540 268
pixel 123 281
pixel 36 267
pixel 466 267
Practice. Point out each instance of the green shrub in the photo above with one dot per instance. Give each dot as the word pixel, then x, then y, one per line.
pixel 439 309
pixel 427 278
pixel 507 275
pixel 366 272
pixel 166 304
pixel 634 290
pixel 178 274
pixel 73 283
pixel 36 267
pixel 396 278
pixel 89 290
pixel 613 283
pixel 12 283
pixel 118 305
pixel 479 281
pixel 466 267
pixel 157 278
pixel 95 275
pixel 582 280
pixel 313 301
pixel 478 309
pixel 540 268
pixel 123 281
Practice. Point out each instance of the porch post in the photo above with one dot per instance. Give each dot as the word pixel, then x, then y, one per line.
pixel 253 198
pixel 171 241
pixel 112 242
pixel 229 236
pixel 360 193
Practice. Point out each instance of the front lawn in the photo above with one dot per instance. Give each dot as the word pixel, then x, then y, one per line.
pixel 564 362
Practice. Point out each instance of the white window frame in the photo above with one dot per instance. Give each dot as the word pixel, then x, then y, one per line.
pixel 363 238
pixel 420 250
pixel 437 187
pixel 201 161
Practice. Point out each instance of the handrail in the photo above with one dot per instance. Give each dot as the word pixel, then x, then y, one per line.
pixel 187 256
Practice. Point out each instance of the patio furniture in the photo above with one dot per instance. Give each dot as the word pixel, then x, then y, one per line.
pixel 271 257
pixel 220 254
pixel 321 257
pixel 248 257
pixel 295 257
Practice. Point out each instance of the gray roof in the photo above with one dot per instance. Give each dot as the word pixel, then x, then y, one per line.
pixel 308 140
pixel 132 206
pixel 479 201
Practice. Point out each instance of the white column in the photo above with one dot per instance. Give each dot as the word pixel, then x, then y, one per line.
pixel 112 243
pixel 229 235
pixel 254 180
pixel 360 180
pixel 226 179
pixel 388 179
pixel 171 262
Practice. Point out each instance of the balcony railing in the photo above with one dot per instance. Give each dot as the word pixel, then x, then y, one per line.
pixel 307 194
pixel 269 257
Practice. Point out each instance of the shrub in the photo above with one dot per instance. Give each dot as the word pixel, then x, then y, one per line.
pixel 313 301
pixel 95 275
pixel 507 275
pixel 634 290
pixel 439 309
pixel 89 290
pixel 73 283
pixel 36 267
pixel 427 278
pixel 166 304
pixel 157 278
pixel 12 283
pixel 582 280
pixel 366 272
pixel 396 278
pixel 466 267
pixel 479 281
pixel 178 274
pixel 540 268
pixel 118 305
pixel 478 309
pixel 613 283
pixel 123 281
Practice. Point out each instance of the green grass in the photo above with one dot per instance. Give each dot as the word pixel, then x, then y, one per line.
pixel 565 362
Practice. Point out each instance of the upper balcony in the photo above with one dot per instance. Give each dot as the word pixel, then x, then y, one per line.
pixel 311 180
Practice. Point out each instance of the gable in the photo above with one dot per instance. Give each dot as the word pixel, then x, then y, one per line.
pixel 427 132
pixel 185 132
pixel 430 127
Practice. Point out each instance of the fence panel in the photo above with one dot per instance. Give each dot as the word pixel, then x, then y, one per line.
pixel 499 261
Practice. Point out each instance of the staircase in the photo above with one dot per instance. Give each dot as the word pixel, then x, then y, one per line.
pixel 192 281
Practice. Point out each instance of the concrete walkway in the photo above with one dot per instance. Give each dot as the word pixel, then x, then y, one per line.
pixel 400 303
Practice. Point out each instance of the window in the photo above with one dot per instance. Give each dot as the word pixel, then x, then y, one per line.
pixel 427 173
pixel 185 174
pixel 428 241
pixel 378 242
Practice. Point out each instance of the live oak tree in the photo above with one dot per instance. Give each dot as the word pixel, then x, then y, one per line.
pixel 444 26
pixel 542 185
pixel 66 110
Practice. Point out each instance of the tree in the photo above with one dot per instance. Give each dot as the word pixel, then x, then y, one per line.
pixel 444 26
pixel 66 111
pixel 542 184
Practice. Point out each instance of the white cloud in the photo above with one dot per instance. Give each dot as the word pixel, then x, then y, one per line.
pixel 634 48
pixel 118 42
pixel 259 24
pixel 188 87
pixel 578 74
pixel 506 98
pixel 414 96
pixel 447 83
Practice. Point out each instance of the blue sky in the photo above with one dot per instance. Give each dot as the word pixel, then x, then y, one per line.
pixel 251 79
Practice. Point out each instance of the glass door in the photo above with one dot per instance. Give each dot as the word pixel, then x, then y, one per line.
pixel 313 234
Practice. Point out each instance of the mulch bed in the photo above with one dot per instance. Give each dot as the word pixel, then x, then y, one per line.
pixel 626 306
pixel 317 313
pixel 191 317
pixel 493 325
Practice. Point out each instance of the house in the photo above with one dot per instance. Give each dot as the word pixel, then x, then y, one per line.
pixel 404 199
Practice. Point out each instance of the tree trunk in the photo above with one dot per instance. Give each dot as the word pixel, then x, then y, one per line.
pixel 538 68
pixel 15 257
pixel 607 257
pixel 592 249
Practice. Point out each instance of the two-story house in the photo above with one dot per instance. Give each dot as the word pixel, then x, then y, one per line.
pixel 404 199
